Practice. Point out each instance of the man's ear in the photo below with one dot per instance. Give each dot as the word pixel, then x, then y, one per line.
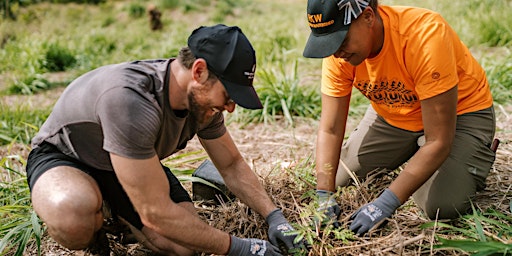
pixel 200 71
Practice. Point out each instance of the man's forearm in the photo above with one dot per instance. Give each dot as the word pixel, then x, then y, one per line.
pixel 244 183
pixel 177 224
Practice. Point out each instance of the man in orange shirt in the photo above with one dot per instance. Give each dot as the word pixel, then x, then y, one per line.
pixel 431 107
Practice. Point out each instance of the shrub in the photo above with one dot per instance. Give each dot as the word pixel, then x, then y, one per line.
pixel 136 10
pixel 58 58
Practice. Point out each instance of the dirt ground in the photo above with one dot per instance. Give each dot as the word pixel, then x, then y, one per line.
pixel 276 151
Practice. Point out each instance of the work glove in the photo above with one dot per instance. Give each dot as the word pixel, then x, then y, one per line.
pixel 327 206
pixel 373 214
pixel 278 232
pixel 252 246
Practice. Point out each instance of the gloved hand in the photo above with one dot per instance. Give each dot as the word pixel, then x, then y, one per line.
pixel 374 213
pixel 252 246
pixel 328 206
pixel 278 229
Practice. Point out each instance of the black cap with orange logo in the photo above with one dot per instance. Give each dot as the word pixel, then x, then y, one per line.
pixel 329 21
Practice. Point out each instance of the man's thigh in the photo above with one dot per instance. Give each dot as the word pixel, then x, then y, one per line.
pixel 375 144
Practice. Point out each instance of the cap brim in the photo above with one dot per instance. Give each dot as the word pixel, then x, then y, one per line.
pixel 321 46
pixel 244 96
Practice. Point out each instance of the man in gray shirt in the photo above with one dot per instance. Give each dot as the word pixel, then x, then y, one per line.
pixel 111 127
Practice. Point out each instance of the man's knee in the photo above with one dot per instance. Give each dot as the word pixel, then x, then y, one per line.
pixel 69 202
pixel 74 236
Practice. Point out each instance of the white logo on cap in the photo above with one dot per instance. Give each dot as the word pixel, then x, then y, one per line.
pixel 353 8
pixel 250 75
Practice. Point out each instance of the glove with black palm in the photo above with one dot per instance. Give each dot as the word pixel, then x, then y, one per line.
pixel 329 209
pixel 279 232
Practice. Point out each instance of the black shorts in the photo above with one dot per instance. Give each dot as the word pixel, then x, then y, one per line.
pixel 47 156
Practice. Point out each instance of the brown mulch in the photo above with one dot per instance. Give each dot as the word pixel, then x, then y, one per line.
pixel 280 155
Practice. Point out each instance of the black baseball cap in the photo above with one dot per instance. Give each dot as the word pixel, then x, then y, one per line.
pixel 230 56
pixel 329 21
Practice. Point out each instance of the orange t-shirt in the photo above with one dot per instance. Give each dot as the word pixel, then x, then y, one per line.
pixel 422 57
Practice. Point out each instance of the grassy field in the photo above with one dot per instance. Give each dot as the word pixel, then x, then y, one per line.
pixel 49 44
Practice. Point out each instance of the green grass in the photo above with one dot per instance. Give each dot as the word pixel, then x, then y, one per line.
pixel 19 225
pixel 19 124
pixel 282 96
pixel 484 233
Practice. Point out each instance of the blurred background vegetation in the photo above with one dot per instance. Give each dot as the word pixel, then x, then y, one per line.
pixel 46 44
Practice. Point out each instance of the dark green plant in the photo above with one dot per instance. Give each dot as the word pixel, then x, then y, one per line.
pixel 108 21
pixel 136 10
pixel 58 58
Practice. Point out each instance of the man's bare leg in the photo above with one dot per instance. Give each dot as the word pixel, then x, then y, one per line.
pixel 69 202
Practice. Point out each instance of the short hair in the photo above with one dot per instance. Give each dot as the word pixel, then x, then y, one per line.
pixel 187 58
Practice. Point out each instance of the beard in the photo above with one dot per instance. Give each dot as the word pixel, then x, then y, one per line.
pixel 196 111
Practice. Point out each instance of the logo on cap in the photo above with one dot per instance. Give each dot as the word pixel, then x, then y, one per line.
pixel 250 75
pixel 329 21
pixel 353 8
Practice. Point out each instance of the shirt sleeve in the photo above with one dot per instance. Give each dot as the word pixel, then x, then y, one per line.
pixel 337 77
pixel 431 58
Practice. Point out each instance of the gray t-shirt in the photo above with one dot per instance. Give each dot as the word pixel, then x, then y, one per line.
pixel 123 109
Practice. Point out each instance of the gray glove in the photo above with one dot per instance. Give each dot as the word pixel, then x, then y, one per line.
pixel 278 227
pixel 328 206
pixel 373 214
pixel 252 246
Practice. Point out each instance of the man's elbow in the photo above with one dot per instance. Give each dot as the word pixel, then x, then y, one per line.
pixel 153 216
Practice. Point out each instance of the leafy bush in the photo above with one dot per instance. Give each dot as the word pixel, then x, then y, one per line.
pixel 136 10
pixel 58 58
